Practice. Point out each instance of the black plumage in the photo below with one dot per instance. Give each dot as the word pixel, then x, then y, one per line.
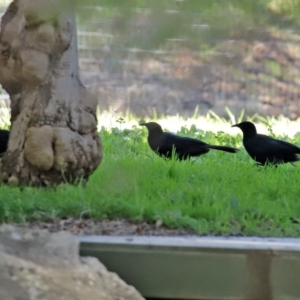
pixel 265 149
pixel 4 137
pixel 163 143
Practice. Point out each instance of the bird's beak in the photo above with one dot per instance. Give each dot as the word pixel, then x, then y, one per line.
pixel 142 124
pixel 236 125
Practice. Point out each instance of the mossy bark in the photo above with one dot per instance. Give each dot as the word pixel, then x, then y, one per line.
pixel 53 135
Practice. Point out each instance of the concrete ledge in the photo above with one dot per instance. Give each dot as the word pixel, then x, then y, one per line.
pixel 202 267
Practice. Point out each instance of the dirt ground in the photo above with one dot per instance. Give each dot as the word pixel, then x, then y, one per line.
pixel 107 227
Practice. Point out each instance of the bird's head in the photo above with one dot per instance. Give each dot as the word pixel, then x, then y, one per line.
pixel 247 128
pixel 152 127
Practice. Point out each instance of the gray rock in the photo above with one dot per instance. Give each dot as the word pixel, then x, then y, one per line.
pixel 38 265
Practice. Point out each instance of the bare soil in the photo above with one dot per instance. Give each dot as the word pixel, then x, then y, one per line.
pixel 107 227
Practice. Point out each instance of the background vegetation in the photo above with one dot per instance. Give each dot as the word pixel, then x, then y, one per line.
pixel 169 57
pixel 216 194
pixel 182 63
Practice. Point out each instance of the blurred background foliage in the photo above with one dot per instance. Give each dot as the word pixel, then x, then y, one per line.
pixel 180 56
pixel 205 20
pixel 168 57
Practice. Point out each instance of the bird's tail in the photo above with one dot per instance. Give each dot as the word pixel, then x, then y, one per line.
pixel 224 148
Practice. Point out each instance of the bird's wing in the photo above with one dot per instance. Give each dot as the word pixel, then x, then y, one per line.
pixel 262 148
pixel 270 144
pixel 162 144
pixel 289 146
pixel 185 145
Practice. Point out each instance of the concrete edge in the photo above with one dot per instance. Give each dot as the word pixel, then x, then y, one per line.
pixel 202 267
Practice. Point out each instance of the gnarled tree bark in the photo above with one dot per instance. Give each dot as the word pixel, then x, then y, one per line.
pixel 53 136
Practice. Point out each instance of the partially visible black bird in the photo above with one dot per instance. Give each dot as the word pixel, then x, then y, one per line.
pixel 265 149
pixel 4 136
pixel 163 143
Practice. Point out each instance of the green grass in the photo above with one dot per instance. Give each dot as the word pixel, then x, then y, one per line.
pixel 217 194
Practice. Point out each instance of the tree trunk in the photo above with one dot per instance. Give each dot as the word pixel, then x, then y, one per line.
pixel 53 136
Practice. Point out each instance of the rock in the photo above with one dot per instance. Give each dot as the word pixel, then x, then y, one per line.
pixel 36 265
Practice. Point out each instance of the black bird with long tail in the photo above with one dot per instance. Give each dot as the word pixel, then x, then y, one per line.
pixel 265 149
pixel 164 143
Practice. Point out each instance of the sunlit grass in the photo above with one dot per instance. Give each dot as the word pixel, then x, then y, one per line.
pixel 216 194
pixel 209 122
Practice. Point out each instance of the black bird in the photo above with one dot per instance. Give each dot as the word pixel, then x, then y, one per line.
pixel 4 136
pixel 163 143
pixel 265 149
